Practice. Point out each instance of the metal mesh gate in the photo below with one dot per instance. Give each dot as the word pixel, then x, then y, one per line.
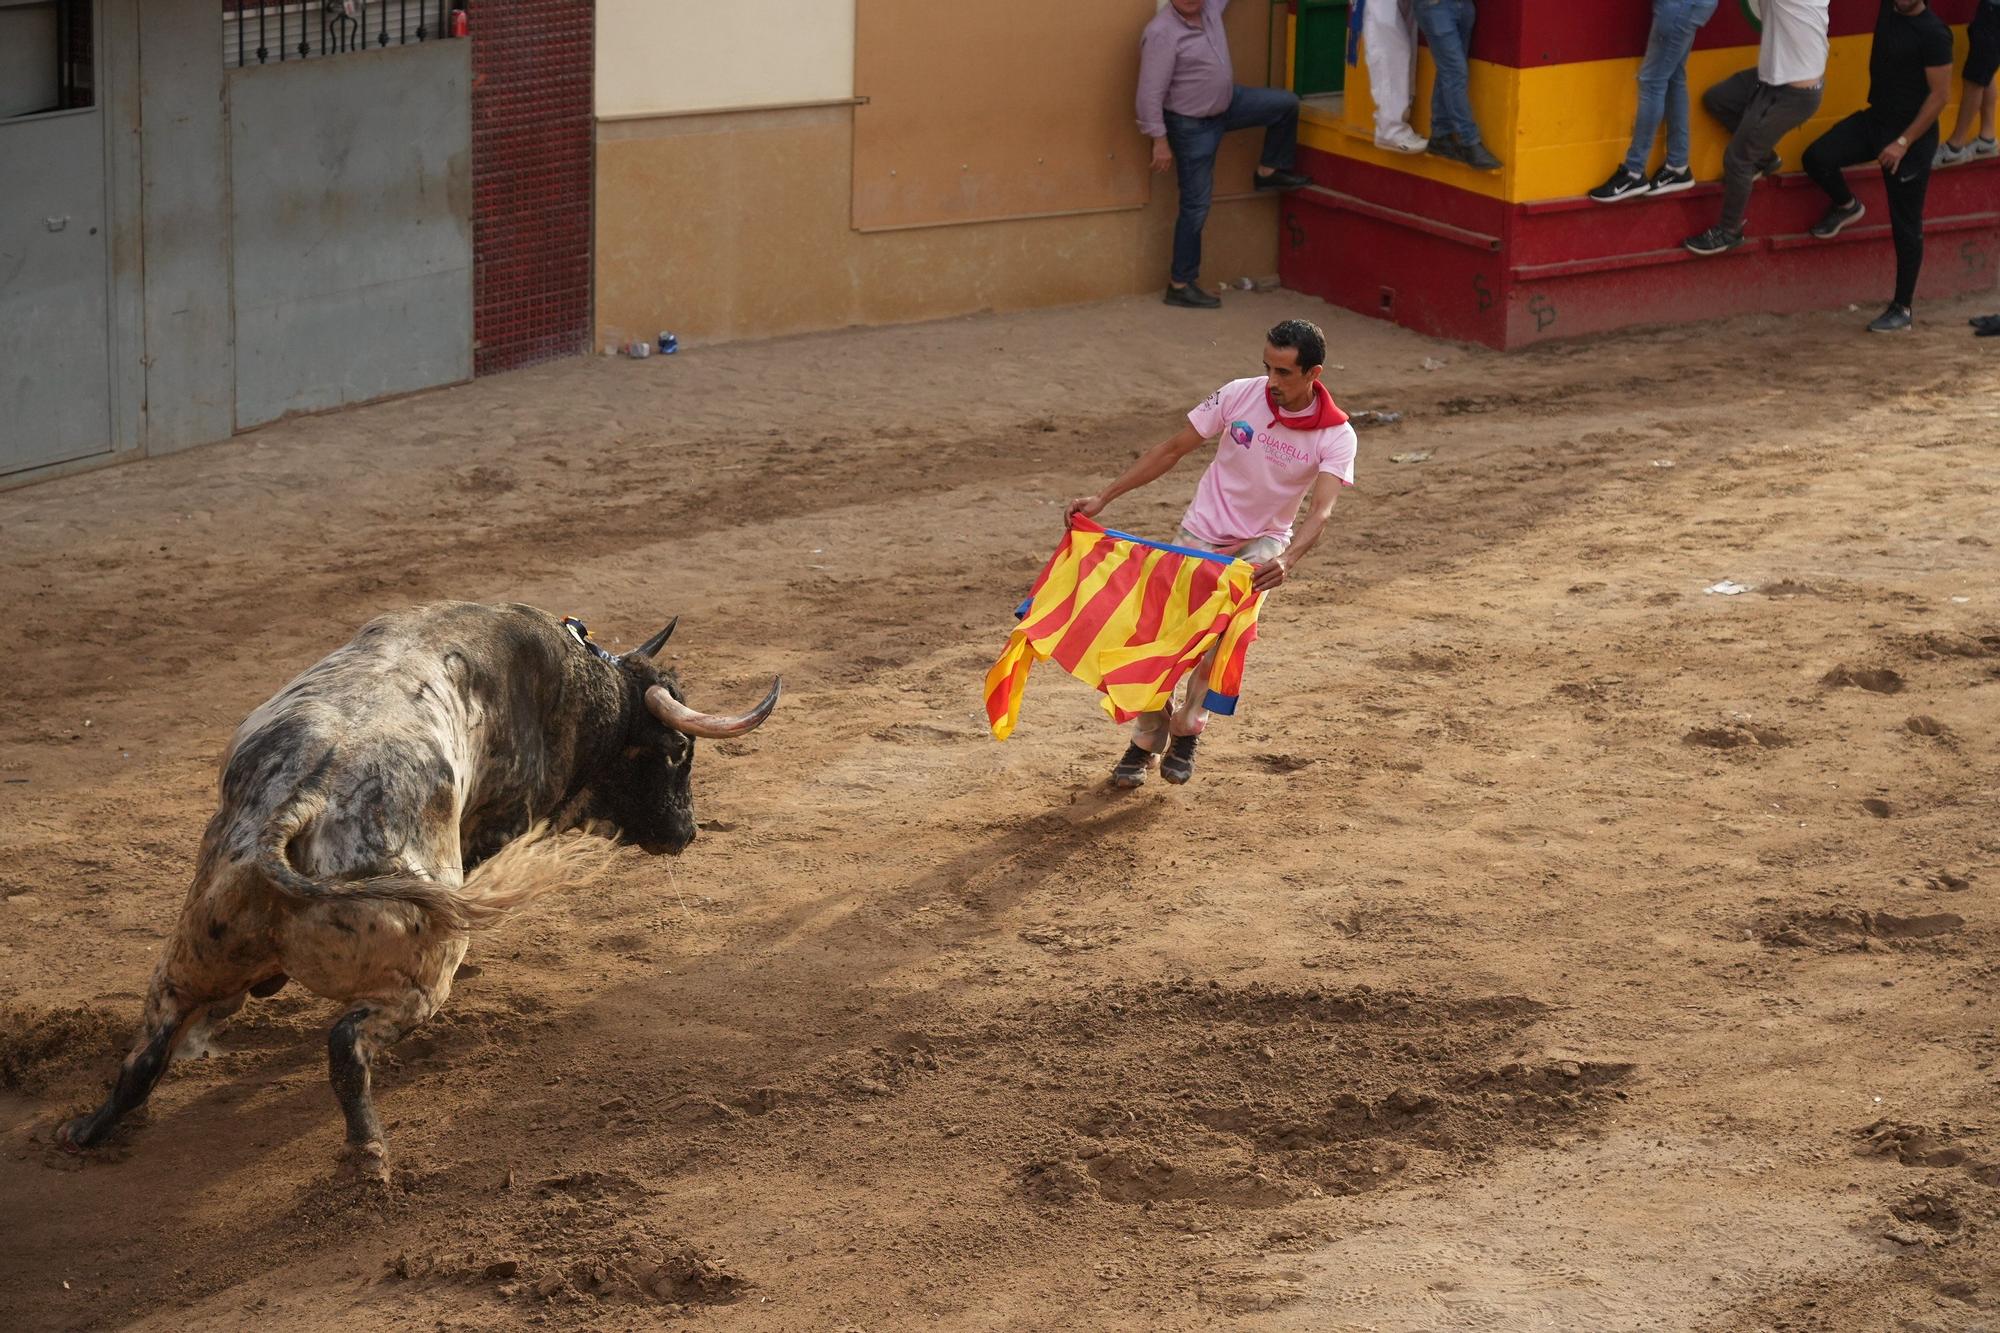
pixel 532 138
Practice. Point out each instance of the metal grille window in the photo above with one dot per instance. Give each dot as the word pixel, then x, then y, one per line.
pixel 46 57
pixel 259 33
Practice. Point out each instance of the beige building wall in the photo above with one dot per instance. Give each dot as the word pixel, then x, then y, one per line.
pixel 700 55
pixel 733 224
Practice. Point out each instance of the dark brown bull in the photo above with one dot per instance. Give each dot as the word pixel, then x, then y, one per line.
pixel 394 797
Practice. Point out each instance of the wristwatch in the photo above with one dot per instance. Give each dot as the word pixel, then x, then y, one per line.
pixel 1903 140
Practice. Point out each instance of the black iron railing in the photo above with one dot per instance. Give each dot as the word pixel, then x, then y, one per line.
pixel 256 32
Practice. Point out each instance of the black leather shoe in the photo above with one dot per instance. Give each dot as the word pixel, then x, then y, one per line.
pixel 1282 179
pixel 1193 297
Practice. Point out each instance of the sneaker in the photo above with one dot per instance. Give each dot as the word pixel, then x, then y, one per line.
pixel 1670 180
pixel 1986 147
pixel 1193 297
pixel 1839 219
pixel 1950 154
pixel 1986 326
pixel 1772 166
pixel 1446 146
pixel 1896 319
pixel 1478 158
pixel 1282 179
pixel 1130 770
pixel 1622 185
pixel 1402 139
pixel 1714 241
pixel 1177 766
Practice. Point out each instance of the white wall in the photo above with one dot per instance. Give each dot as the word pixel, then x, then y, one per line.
pixel 658 56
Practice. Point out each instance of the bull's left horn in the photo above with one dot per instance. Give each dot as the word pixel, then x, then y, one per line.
pixel 644 652
pixel 680 717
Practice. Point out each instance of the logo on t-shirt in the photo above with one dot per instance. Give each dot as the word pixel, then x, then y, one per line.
pixel 1242 433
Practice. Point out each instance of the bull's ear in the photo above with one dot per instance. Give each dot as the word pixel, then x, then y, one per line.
pixel 644 652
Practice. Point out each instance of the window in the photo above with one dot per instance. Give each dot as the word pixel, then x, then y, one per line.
pixel 47 57
pixel 268 32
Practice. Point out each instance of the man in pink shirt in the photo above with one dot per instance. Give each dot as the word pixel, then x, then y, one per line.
pixel 1281 437
pixel 1188 99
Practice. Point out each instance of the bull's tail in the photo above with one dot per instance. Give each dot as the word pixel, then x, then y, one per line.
pixel 536 863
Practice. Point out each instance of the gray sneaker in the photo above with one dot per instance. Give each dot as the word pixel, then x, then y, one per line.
pixel 1131 769
pixel 1896 319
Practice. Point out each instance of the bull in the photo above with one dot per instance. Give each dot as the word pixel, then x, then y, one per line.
pixel 399 794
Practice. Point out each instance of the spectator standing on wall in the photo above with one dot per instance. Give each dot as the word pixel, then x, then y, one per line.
pixel 1447 26
pixel 1978 98
pixel 1761 106
pixel 1909 80
pixel 1663 94
pixel 1188 100
pixel 1388 32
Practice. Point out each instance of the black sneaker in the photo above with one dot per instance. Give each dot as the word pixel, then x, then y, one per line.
pixel 1476 157
pixel 1839 219
pixel 1896 319
pixel 1670 180
pixel 1770 168
pixel 1714 241
pixel 1447 147
pixel 1282 179
pixel 1622 185
pixel 1193 297
pixel 1130 770
pixel 1177 765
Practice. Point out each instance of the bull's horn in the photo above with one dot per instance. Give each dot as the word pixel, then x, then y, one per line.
pixel 680 717
pixel 644 652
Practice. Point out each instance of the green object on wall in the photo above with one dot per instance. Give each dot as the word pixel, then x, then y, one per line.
pixel 1320 63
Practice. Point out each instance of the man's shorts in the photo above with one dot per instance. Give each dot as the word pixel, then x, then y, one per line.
pixel 1256 551
pixel 1983 60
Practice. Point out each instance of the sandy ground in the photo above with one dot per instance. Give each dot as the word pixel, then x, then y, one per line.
pixel 1548 943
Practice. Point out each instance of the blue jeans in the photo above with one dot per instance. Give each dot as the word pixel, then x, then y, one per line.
pixel 1447 26
pixel 1663 81
pixel 1195 140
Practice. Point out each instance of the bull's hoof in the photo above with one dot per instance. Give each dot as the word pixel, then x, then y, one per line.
pixel 366 1163
pixel 69 1135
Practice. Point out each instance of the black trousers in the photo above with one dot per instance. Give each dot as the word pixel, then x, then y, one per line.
pixel 1859 139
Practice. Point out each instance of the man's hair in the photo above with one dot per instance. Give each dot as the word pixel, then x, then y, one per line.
pixel 1302 335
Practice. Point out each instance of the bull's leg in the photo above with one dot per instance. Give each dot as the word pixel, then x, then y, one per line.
pixel 168 1015
pixel 357 1038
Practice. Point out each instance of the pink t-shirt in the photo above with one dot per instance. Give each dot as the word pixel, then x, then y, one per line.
pixel 1264 463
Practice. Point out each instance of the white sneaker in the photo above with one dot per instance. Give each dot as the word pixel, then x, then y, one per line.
pixel 1985 147
pixel 1950 154
pixel 1401 139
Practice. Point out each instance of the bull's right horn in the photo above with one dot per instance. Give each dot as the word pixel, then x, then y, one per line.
pixel 671 711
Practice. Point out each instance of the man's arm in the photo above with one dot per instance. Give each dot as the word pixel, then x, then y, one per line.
pixel 1326 490
pixel 1150 466
pixel 1156 71
pixel 1939 78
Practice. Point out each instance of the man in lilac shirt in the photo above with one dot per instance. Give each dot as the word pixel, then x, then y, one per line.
pixel 1188 99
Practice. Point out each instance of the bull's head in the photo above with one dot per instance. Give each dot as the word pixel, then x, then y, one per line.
pixel 649 798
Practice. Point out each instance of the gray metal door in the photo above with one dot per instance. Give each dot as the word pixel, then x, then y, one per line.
pixel 55 340
pixel 351 187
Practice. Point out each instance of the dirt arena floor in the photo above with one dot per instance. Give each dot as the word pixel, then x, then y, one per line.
pixel 1549 943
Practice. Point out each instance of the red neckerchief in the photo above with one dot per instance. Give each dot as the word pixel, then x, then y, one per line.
pixel 1325 417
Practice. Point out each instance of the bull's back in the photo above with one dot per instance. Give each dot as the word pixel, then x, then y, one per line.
pixel 362 763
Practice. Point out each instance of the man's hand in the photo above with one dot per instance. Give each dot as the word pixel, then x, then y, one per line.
pixel 1271 573
pixel 1892 156
pixel 1163 156
pixel 1089 506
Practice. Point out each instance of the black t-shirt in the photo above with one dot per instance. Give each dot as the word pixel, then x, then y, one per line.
pixel 1905 46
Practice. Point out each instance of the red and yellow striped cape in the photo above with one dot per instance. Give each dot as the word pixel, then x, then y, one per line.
pixel 1129 617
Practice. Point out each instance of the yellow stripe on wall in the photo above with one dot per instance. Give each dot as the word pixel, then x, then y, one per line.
pixel 1560 129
